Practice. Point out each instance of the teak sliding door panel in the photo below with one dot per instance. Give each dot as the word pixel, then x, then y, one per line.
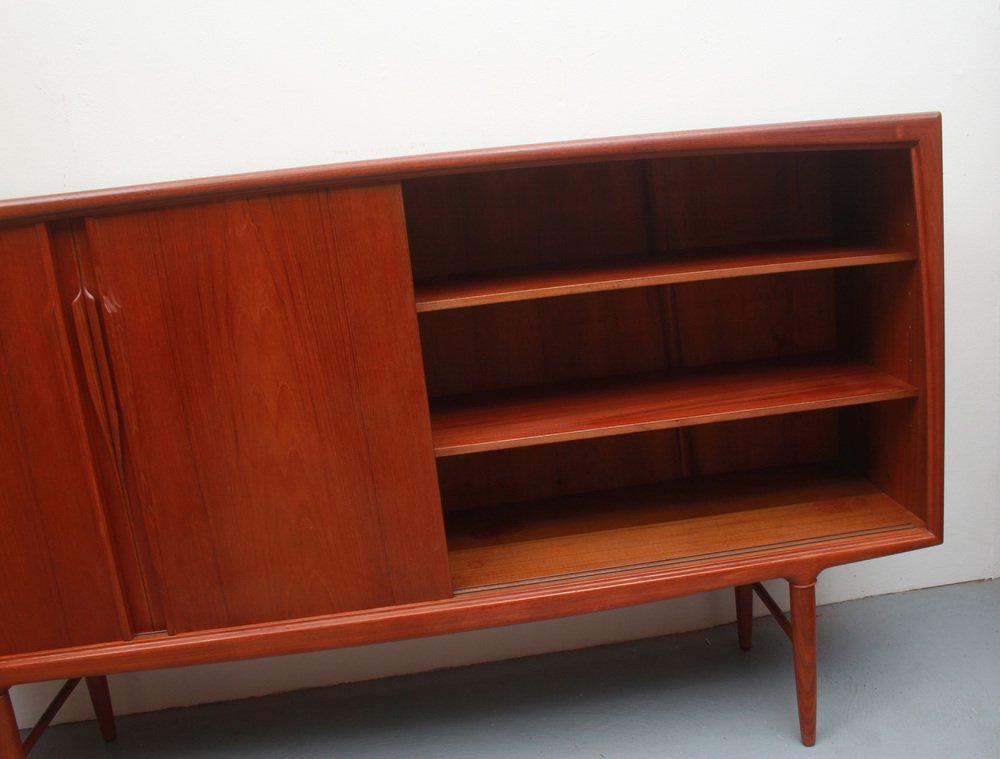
pixel 266 356
pixel 59 583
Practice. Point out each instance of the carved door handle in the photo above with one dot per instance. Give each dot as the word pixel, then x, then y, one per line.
pixel 97 372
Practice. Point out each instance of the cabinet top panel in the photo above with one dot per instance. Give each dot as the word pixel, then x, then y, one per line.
pixel 875 131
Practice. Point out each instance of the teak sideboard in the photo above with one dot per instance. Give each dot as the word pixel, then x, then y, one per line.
pixel 304 409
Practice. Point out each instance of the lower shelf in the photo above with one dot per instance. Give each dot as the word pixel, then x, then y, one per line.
pixel 683 522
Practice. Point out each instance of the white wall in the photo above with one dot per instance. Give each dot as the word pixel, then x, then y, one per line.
pixel 99 94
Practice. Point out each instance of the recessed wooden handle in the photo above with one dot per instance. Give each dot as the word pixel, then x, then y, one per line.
pixel 97 370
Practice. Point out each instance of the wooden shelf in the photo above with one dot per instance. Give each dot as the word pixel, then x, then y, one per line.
pixel 688 266
pixel 494 421
pixel 668 525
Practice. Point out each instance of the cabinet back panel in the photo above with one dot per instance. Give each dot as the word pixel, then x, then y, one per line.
pixel 771 441
pixel 482 223
pixel 731 320
pixel 628 332
pixel 871 441
pixel 873 197
pixel 547 471
pixel 703 201
pixel 543 341
pixel 526 217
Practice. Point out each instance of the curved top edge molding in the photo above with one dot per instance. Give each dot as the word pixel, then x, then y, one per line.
pixel 868 132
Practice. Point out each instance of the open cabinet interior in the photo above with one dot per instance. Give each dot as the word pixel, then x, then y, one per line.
pixel 656 362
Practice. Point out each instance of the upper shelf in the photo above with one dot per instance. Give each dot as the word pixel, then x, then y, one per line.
pixel 515 419
pixel 688 266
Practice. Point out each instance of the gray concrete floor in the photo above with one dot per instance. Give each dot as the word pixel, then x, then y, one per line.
pixel 908 675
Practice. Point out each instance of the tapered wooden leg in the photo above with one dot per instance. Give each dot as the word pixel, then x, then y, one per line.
pixel 803 601
pixel 744 615
pixel 10 736
pixel 100 697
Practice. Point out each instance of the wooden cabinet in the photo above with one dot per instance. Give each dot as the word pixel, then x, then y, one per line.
pixel 357 403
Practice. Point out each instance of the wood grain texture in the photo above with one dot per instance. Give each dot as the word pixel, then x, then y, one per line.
pixel 803 602
pixel 537 472
pixel 562 413
pixel 369 240
pixel 927 172
pixel 682 523
pixel 729 320
pixel 713 263
pixel 245 365
pixel 471 611
pixel 904 130
pixel 530 343
pixel 741 199
pixel 873 197
pixel 765 442
pixel 88 347
pixel 529 217
pixel 264 412
pixel 10 736
pixel 611 463
pixel 883 325
pixel 60 585
pixel 880 315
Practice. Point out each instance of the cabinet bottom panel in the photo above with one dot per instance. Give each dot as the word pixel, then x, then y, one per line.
pixel 678 523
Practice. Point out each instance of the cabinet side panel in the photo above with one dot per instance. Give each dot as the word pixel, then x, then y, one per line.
pixel 881 324
pixel 245 433
pixel 927 170
pixel 58 583
pixel 368 231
